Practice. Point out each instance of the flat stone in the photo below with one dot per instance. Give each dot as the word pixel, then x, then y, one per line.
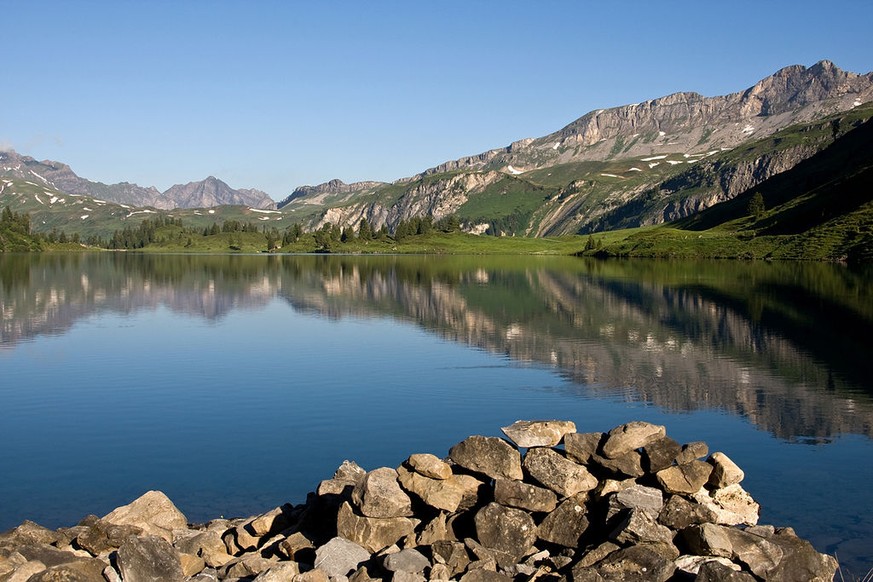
pixel 445 494
pixel 491 456
pixel 724 471
pixel 153 512
pixel 566 524
pixel 408 560
pixel 692 451
pixel 687 479
pixel 429 466
pixel 638 497
pixel 509 531
pixel 631 436
pixel 561 475
pixel 340 557
pixel 581 447
pixel 660 454
pixel 372 533
pixel 379 494
pixel 149 559
pixel 636 563
pixel 538 433
pixel 524 496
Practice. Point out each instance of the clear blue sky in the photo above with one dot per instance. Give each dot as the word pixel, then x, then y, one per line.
pixel 276 94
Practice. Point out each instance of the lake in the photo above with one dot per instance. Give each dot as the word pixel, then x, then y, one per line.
pixel 236 383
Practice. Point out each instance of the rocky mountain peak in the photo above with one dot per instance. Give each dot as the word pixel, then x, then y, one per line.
pixel 335 186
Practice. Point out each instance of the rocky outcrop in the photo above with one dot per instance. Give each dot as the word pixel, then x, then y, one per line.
pixel 211 192
pixel 332 187
pixel 570 514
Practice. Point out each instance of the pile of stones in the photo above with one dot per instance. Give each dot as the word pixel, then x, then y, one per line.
pixel 548 503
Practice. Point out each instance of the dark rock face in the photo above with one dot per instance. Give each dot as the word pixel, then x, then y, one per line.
pixel 431 520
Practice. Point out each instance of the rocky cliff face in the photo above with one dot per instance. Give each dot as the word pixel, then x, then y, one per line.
pixel 332 187
pixel 211 192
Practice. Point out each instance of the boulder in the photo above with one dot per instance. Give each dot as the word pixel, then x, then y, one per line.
pixel 90 570
pixel 660 454
pixel 638 497
pixel 561 475
pixel 246 566
pixel 452 554
pixel 379 494
pixel 538 433
pixel 724 471
pixel 30 532
pixel 445 494
pixel 581 447
pixel 509 531
pixel 480 575
pixel 149 558
pixel 800 561
pixel 688 478
pixel 731 505
pixel 408 560
pixel 104 536
pixel 637 526
pixel 524 496
pixel 191 564
pixel 629 464
pixel 691 452
pixel 758 554
pixel 153 512
pixel 280 572
pixel 631 436
pixel 340 557
pixel 491 456
pixel 429 466
pixel 691 564
pixel 717 571
pixel 372 533
pixel 566 524
pixel 679 513
pixel 208 545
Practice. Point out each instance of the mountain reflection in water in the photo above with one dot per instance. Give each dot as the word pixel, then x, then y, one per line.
pixel 784 345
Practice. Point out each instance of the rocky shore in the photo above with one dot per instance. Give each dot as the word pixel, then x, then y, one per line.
pixel 546 503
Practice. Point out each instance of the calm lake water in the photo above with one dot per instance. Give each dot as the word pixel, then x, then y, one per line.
pixel 237 383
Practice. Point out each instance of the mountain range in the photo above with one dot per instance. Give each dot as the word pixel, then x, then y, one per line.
pixel 640 164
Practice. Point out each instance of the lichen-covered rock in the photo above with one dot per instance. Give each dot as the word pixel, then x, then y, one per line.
pixel 660 454
pixel 551 469
pixel 679 513
pixel 509 531
pixel 581 447
pixel 638 497
pixel 488 455
pixel 636 563
pixel 538 433
pixel 566 524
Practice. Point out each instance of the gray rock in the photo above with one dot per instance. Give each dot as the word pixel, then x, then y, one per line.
pixel 149 559
pixel 636 563
pixel 538 433
pixel 708 539
pixel 408 560
pixel 488 455
pixel 692 451
pixel 509 531
pixel 524 496
pixel 581 447
pixel 403 576
pixel 724 471
pixel 340 557
pixel 429 466
pixel 688 478
pixel 638 497
pixel 638 526
pixel 566 524
pixel 558 473
pixel 153 512
pixel 800 561
pixel 759 555
pixel 596 554
pixel 379 494
pixel 631 436
pixel 731 505
pixel 660 454
pixel 679 513
pixel 372 533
